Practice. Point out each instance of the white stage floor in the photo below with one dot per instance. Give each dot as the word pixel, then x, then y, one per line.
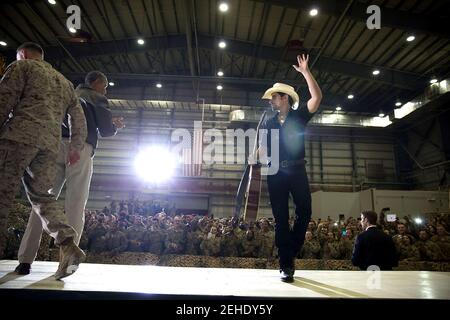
pixel 257 283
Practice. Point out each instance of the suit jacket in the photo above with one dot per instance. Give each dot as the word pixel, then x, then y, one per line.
pixel 374 247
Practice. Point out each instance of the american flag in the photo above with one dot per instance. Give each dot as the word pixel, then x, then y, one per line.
pixel 192 157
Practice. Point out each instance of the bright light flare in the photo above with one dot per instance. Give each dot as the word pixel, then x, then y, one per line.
pixel 155 164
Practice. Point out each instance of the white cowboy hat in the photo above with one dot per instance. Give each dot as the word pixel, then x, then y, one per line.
pixel 284 88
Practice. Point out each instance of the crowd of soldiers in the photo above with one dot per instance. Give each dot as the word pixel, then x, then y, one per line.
pixel 180 234
pixel 134 226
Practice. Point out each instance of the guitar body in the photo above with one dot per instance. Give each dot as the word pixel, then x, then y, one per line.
pixel 249 190
pixel 253 193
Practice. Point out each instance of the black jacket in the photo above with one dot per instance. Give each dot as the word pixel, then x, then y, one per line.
pixel 374 247
pixel 98 116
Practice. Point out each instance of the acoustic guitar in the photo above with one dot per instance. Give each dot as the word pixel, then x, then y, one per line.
pixel 249 190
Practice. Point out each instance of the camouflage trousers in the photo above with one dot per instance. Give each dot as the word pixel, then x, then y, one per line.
pixel 77 179
pixel 37 170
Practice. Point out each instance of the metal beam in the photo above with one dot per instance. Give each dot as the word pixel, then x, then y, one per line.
pixel 405 20
pixel 136 80
pixel 405 80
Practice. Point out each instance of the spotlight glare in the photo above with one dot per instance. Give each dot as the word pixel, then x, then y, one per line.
pixel 222 44
pixel 155 164
pixel 159 85
pixel 223 7
pixel 418 220
pixel 313 12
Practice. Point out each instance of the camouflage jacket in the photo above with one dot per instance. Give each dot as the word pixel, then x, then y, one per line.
pixel 38 98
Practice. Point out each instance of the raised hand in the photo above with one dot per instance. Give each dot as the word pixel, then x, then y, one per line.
pixel 302 63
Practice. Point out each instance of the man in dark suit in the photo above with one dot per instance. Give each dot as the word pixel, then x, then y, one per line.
pixel 373 247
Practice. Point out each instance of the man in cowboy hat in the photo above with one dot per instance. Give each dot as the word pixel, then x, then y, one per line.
pixel 291 177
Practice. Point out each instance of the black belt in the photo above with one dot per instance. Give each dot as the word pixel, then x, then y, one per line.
pixel 292 163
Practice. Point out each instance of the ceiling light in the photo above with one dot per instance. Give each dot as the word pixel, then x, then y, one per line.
pixel 219 87
pixel 381 115
pixel 3 43
pixel 159 85
pixel 376 72
pixel 72 29
pixel 112 84
pixel 220 73
pixel 223 7
pixel 410 38
pixel 350 96
pixel 313 12
pixel 140 41
pixel 222 44
pixel 434 80
pixel 338 108
pixel 53 2
pixel 398 104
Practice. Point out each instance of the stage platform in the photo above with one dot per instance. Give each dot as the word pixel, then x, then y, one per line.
pixel 108 281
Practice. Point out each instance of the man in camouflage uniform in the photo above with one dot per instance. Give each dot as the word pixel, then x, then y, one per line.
pixel 250 246
pixel 175 237
pixel 346 244
pixel 34 98
pixel 194 237
pixel 116 240
pixel 230 242
pixel 429 250
pixel 406 250
pixel 77 178
pixel 442 239
pixel 311 247
pixel 210 246
pixel 267 240
pixel 154 238
pixel 401 231
pixel 331 249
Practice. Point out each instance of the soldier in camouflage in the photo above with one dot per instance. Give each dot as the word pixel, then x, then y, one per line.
pixel 34 98
pixel 210 246
pixel 442 239
pixel 250 246
pixel 267 239
pixel 429 250
pixel 311 247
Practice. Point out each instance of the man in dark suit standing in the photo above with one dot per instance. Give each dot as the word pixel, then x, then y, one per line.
pixel 373 247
